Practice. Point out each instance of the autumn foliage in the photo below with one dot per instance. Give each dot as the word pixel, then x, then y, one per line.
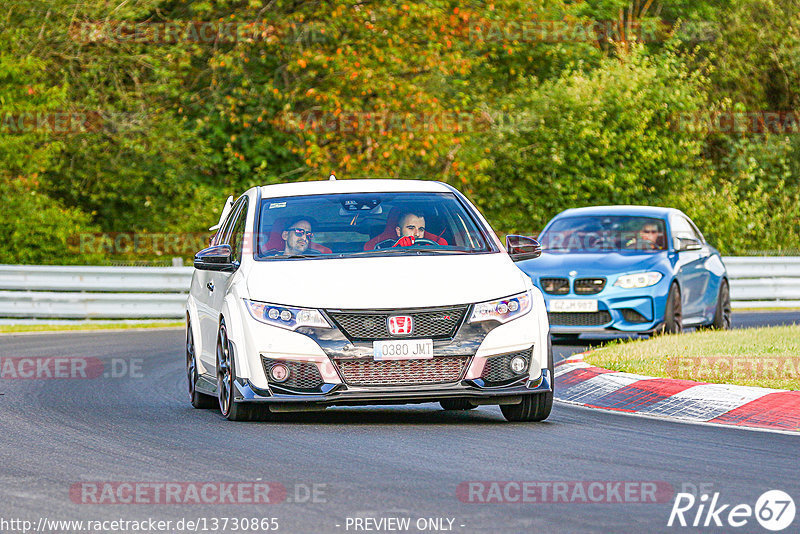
pixel 527 107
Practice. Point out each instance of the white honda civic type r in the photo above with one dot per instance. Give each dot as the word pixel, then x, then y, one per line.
pixel 360 292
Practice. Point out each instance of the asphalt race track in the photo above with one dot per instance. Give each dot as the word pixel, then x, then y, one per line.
pixel 370 462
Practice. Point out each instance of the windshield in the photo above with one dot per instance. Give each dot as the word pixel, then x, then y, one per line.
pixel 366 224
pixel 599 233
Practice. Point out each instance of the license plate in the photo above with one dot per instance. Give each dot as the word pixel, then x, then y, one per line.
pixel 406 349
pixel 573 305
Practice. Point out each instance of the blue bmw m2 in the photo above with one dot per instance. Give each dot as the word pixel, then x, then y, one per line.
pixel 632 269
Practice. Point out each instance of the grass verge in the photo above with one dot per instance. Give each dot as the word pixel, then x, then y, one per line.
pixel 765 357
pixel 17 328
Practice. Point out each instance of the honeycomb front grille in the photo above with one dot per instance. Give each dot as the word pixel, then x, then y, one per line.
pixel 497 369
pixel 431 323
pixel 303 376
pixel 589 286
pixel 555 286
pixel 598 318
pixel 367 372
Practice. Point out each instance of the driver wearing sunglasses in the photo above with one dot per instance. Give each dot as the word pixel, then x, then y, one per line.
pixel 298 237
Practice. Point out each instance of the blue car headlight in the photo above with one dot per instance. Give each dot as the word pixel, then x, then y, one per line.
pixel 285 316
pixel 638 280
pixel 502 310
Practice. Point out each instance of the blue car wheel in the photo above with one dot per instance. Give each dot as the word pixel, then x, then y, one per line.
pixel 673 314
pixel 722 317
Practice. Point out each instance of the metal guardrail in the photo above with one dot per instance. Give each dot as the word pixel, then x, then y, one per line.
pixel 764 281
pixel 78 292
pixel 90 279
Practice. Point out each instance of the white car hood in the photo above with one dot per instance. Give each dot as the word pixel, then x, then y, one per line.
pixel 393 282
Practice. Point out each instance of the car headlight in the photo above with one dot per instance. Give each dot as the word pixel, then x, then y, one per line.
pixel 502 310
pixel 285 316
pixel 638 280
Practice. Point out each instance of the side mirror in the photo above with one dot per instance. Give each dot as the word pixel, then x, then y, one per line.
pixel 522 247
pixel 688 243
pixel 216 258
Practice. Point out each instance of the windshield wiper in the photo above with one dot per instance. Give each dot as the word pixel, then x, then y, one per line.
pixel 382 251
pixel 404 251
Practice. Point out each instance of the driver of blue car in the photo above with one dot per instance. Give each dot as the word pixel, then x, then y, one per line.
pixel 649 237
pixel 410 227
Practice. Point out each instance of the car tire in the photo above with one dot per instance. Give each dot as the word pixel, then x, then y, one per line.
pixel 201 401
pixel 457 404
pixel 722 316
pixel 226 377
pixel 533 407
pixel 673 312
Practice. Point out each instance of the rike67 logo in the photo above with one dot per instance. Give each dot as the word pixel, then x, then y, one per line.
pixel 774 510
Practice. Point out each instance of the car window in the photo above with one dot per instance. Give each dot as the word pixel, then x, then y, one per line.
pixel 696 231
pixel 604 233
pixel 237 236
pixel 681 227
pixel 366 224
pixel 224 229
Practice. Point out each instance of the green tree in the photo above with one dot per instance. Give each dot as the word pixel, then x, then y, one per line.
pixel 592 137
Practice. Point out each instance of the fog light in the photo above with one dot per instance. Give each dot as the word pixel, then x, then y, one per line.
pixel 279 372
pixel 518 364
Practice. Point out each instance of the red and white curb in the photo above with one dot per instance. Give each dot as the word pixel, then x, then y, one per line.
pixel 579 383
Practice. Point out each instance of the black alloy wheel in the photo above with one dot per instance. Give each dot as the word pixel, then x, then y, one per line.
pixel 226 378
pixel 537 407
pixel 673 313
pixel 722 316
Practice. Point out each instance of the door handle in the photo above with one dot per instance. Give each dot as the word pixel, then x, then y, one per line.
pixel 210 286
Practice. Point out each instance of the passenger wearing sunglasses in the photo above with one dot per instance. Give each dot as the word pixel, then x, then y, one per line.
pixel 298 237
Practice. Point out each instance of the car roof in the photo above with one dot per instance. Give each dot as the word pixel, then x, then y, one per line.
pixel 641 211
pixel 375 185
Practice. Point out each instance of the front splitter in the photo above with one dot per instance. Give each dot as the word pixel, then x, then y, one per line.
pixel 341 394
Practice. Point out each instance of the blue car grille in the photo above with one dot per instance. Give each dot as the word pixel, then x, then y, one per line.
pixel 598 318
pixel 589 286
pixel 555 286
